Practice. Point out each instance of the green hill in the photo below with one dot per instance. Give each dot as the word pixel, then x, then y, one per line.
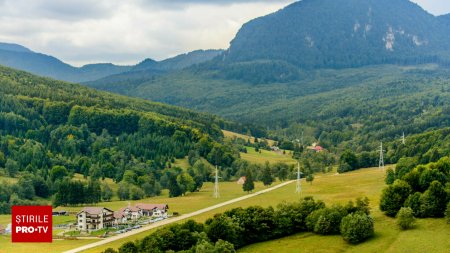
pixel 51 130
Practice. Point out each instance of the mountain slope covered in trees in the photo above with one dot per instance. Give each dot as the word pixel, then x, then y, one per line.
pixel 321 67
pixel 50 130
pixel 343 33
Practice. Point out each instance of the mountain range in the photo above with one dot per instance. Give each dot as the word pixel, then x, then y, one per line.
pixel 19 57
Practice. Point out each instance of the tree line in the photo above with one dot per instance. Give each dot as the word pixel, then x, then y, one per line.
pixel 239 227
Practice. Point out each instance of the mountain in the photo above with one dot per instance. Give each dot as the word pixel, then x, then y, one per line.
pixel 150 69
pixel 343 33
pixel 339 89
pixel 14 48
pixel 19 57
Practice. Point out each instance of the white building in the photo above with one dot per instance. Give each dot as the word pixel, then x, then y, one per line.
pixel 94 218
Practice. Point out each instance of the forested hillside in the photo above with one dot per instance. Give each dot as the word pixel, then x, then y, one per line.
pixel 349 108
pixel 50 130
pixel 343 33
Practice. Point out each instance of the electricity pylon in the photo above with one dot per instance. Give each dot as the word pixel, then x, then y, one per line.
pixel 298 188
pixel 381 161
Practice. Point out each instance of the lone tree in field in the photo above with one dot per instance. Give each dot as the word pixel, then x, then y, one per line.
pixel 405 218
pixel 310 178
pixel 249 184
pixel 267 178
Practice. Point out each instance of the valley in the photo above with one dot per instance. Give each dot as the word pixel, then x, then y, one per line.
pixel 323 126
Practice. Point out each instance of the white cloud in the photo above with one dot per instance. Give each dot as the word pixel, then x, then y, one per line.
pixel 125 32
pixel 436 7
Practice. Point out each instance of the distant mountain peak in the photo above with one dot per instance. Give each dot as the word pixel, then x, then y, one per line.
pixel 14 48
pixel 342 33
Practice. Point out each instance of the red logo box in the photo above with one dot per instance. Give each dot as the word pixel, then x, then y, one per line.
pixel 31 224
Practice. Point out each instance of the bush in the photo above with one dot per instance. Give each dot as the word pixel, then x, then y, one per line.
pixel 312 219
pixel 413 202
pixel 405 218
pixel 357 227
pixel 330 220
pixel 394 196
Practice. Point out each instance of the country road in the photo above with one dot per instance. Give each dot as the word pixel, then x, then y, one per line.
pixel 172 220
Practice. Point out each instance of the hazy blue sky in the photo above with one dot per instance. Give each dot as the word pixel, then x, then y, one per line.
pixel 126 32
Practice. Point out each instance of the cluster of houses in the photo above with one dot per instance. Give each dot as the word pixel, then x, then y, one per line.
pixel 94 218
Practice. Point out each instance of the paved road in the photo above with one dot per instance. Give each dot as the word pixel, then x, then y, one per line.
pixel 172 220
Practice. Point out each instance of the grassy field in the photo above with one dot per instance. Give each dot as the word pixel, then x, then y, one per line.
pixel 430 235
pixel 186 204
pixel 266 156
pixel 8 179
pixel 233 135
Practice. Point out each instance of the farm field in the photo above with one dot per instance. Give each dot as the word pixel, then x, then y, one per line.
pixel 266 156
pixel 430 235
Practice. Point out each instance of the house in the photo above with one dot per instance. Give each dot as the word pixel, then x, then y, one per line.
pixel 94 218
pixel 2 230
pixel 120 218
pixel 131 213
pixel 318 149
pixel 153 210
pixel 241 180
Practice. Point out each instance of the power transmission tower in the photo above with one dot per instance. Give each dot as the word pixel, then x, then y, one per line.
pixel 216 184
pixel 298 188
pixel 381 162
pixel 403 139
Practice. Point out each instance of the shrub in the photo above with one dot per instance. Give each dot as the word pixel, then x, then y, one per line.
pixel 357 227
pixel 330 220
pixel 394 196
pixel 413 202
pixel 313 217
pixel 405 218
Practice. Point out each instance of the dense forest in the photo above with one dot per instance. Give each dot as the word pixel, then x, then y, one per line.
pixel 51 130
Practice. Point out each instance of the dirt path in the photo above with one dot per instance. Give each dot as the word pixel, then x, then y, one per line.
pixel 172 220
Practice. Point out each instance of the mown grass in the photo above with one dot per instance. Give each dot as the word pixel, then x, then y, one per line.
pixel 266 156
